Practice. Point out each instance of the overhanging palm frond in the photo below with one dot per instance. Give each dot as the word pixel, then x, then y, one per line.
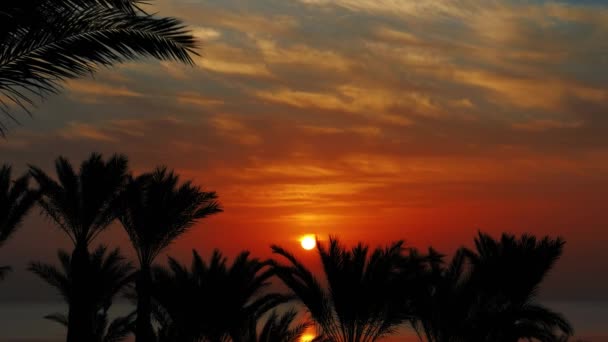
pixel 46 42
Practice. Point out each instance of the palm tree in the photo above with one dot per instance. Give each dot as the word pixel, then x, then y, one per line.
pixel 362 302
pixel 490 293
pixel 214 301
pixel 156 209
pixel 110 272
pixel 16 200
pixel 44 42
pixel 82 204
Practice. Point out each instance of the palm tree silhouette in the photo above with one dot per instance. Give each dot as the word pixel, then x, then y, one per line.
pixel 278 328
pixel 110 272
pixel 16 199
pixel 444 307
pixel 213 301
pixel 363 301
pixel 82 204
pixel 156 209
pixel 490 293
pixel 44 42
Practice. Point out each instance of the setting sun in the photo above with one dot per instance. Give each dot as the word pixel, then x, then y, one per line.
pixel 307 338
pixel 308 242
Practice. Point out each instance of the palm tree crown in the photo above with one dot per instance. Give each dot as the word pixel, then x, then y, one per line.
pixel 111 274
pixel 157 209
pixel 214 301
pixel 489 294
pixel 43 42
pixel 83 204
pixel 362 302
pixel 16 199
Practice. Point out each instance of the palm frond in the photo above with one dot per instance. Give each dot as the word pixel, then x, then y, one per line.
pixel 58 318
pixel 110 274
pixel 16 200
pixel 119 329
pixel 59 279
pixel 282 328
pixel 46 42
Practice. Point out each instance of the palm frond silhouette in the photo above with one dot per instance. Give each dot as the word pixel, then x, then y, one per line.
pixel 110 272
pixel 490 293
pixel 277 328
pixel 214 300
pixel 82 204
pixel 16 200
pixel 363 301
pixel 156 209
pixel 44 42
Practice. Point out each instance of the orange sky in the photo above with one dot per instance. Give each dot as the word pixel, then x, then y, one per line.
pixel 368 119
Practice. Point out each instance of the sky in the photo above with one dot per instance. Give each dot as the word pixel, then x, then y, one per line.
pixel 371 120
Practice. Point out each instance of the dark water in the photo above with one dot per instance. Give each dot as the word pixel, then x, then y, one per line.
pixel 23 322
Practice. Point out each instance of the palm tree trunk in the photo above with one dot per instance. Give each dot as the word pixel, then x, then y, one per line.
pixel 143 324
pixel 81 314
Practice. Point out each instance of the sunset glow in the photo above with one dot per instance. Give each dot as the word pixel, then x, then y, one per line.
pixel 366 120
pixel 307 338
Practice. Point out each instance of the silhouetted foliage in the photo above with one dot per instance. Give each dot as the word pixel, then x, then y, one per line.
pixel 213 301
pixel 278 328
pixel 44 42
pixel 110 272
pixel 363 300
pixel 105 331
pixel 489 294
pixel 156 209
pixel 16 199
pixel 82 204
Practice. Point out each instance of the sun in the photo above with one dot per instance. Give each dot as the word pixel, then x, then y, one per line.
pixel 307 338
pixel 308 242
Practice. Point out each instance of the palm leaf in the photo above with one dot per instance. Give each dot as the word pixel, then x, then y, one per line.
pixel 58 318
pixel 47 42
